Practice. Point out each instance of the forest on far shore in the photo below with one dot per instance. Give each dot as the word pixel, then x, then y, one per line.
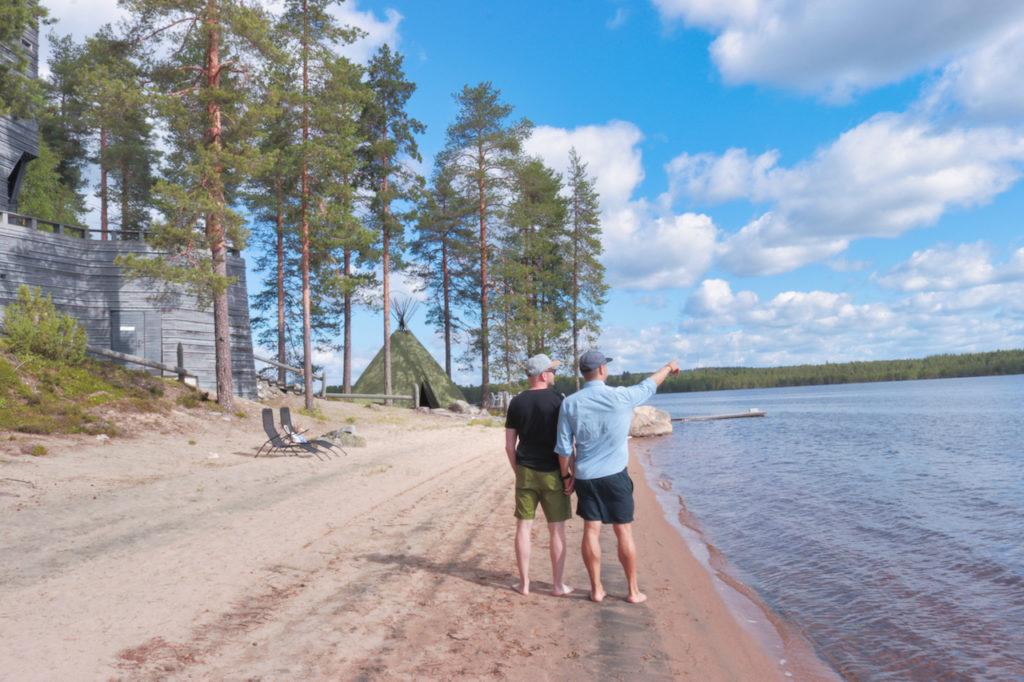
pixel 944 366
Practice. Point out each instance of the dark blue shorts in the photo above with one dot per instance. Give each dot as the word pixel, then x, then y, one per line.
pixel 608 499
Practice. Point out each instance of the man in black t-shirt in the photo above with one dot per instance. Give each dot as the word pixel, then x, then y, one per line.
pixel 530 429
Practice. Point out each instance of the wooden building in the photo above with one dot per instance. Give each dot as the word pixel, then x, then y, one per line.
pixel 19 138
pixel 137 317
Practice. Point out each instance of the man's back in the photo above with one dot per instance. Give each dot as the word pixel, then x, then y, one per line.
pixel 534 416
pixel 597 418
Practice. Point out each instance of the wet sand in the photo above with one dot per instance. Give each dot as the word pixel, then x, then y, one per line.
pixel 150 557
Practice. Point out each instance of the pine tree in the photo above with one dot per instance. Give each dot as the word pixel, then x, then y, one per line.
pixel 210 47
pixel 62 122
pixel 270 198
pixel 483 147
pixel 43 194
pixel 114 106
pixel 314 32
pixel 443 247
pixel 390 133
pixel 537 240
pixel 589 290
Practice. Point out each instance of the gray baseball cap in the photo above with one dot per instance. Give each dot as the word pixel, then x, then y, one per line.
pixel 592 359
pixel 539 364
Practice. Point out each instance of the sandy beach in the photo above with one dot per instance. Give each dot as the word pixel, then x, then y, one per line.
pixel 174 553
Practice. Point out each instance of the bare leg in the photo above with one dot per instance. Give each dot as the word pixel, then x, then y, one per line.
pixel 523 528
pixel 592 557
pixel 627 557
pixel 557 533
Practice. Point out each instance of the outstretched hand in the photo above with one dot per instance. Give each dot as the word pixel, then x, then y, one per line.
pixel 673 367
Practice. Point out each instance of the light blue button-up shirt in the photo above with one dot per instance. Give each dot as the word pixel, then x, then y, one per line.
pixel 598 417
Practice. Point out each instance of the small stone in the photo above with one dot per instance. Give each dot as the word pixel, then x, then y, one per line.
pixel 345 438
pixel 102 437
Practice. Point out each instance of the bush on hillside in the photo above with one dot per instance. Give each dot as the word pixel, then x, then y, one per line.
pixel 33 325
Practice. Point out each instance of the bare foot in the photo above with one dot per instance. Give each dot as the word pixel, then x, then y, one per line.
pixel 637 598
pixel 561 591
pixel 522 588
pixel 597 596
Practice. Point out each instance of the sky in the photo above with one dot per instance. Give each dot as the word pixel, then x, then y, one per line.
pixel 781 181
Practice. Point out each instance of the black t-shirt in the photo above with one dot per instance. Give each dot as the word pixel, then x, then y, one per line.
pixel 534 416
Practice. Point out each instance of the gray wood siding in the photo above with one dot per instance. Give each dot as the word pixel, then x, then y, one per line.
pixel 83 281
pixel 19 138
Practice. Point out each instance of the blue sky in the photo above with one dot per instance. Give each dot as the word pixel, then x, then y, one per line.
pixel 781 181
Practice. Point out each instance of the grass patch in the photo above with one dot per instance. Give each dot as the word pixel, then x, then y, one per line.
pixel 350 420
pixel 44 396
pixel 316 413
pixel 37 451
pixel 485 421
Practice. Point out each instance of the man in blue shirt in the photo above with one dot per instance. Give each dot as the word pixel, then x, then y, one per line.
pixel 593 426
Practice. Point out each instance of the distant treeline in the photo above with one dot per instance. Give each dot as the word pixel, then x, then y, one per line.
pixel 725 378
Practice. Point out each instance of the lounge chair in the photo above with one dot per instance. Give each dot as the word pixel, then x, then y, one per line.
pixel 296 436
pixel 275 441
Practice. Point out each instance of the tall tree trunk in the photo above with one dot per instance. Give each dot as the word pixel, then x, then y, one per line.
pixel 485 365
pixel 386 238
pixel 125 223
pixel 307 342
pixel 214 218
pixel 575 289
pixel 282 339
pixel 104 221
pixel 447 313
pixel 346 370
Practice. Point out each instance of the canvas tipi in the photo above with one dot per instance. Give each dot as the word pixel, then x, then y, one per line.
pixel 411 363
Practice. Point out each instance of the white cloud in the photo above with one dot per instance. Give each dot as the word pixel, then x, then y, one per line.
pixel 986 83
pixel 378 31
pixel 839 47
pixel 722 327
pixel 645 246
pixel 946 268
pixel 888 175
pixel 611 152
pixel 618 20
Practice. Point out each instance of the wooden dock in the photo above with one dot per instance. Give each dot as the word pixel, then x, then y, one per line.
pixel 753 412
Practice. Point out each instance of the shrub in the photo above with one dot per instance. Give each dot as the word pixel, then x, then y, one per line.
pixel 33 325
pixel 37 451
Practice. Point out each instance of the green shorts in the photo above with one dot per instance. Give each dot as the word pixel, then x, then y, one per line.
pixel 534 486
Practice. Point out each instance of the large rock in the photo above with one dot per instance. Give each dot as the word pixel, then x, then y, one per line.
pixel 462 407
pixel 345 437
pixel 649 421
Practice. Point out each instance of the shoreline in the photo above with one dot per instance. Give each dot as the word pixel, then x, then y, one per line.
pixel 792 653
pixel 161 557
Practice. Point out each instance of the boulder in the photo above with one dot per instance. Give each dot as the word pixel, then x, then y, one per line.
pixel 345 437
pixel 650 421
pixel 462 407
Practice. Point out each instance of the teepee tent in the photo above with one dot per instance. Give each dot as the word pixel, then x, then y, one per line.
pixel 411 363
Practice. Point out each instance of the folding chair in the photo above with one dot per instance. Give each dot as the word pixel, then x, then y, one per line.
pixel 276 442
pixel 295 436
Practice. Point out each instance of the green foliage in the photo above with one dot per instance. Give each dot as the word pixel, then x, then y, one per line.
pixel 589 289
pixel 33 325
pixel 37 451
pixel 483 147
pixel 43 193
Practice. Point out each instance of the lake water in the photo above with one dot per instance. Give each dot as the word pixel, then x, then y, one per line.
pixel 886 521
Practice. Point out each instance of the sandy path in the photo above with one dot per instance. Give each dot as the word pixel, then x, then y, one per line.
pixel 149 561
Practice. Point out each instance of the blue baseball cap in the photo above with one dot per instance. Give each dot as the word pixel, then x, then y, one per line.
pixel 592 359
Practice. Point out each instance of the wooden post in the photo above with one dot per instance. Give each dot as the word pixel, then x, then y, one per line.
pixel 323 384
pixel 181 363
pixel 415 396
